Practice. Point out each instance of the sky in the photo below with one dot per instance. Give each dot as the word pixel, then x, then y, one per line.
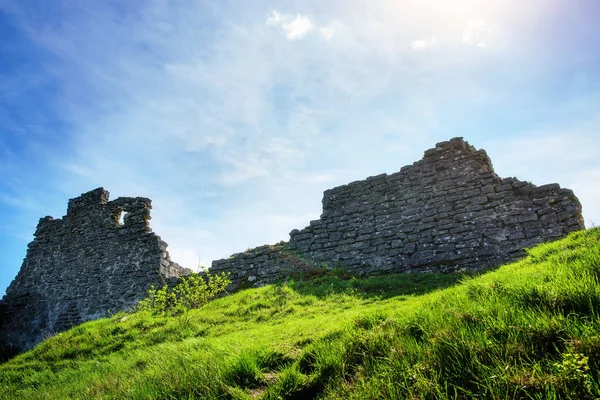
pixel 235 116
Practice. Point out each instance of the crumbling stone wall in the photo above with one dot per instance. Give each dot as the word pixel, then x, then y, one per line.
pixel 446 212
pixel 82 265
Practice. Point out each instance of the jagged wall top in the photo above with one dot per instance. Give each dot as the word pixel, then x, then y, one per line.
pixel 445 212
pixel 82 265
pixel 444 158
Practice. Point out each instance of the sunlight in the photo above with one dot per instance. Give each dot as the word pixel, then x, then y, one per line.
pixel 452 5
pixel 465 8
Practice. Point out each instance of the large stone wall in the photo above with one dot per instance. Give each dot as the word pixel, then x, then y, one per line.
pixel 446 212
pixel 79 267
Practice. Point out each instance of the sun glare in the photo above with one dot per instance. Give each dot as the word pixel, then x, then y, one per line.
pixel 451 4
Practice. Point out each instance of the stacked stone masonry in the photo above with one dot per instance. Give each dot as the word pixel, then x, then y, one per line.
pixel 79 267
pixel 447 212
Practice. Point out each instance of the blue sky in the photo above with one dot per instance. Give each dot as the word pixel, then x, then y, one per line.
pixel 234 116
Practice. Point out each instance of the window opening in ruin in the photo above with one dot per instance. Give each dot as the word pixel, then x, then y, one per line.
pixel 122 216
pixel 119 216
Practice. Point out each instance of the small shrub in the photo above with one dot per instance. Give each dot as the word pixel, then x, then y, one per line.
pixel 158 300
pixel 573 375
pixel 193 291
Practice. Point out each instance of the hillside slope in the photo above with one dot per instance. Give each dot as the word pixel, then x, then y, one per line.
pixel 527 330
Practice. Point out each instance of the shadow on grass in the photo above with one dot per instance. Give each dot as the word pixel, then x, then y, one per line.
pixel 381 287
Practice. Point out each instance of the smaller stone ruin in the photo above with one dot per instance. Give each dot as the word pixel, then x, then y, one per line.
pixel 101 256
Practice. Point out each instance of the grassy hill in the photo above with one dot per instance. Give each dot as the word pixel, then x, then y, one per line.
pixel 527 330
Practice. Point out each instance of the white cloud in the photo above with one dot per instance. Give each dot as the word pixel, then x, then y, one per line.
pixel 475 32
pixel 243 171
pixel 422 44
pixel 328 31
pixel 295 27
pixel 274 18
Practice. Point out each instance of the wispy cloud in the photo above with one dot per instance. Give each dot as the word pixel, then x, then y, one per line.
pixel 475 32
pixel 298 26
pixel 422 44
pixel 331 29
pixel 235 118
pixel 295 27
pixel 22 202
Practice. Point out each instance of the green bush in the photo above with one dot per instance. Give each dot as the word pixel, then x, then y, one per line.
pixel 158 300
pixel 194 291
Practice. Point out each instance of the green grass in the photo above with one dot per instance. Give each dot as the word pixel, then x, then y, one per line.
pixel 529 330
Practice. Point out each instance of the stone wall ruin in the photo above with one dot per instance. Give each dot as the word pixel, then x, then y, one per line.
pixel 101 256
pixel 447 212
